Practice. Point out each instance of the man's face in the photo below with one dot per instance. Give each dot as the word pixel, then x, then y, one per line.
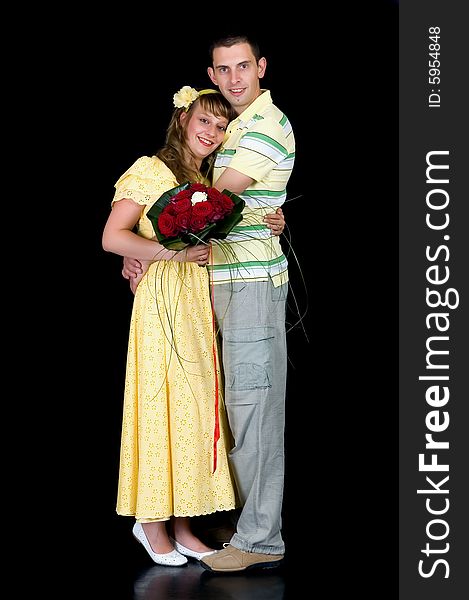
pixel 237 75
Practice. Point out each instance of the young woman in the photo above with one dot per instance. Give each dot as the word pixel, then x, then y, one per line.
pixel 167 449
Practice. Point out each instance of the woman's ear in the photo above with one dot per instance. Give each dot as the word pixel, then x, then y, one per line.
pixel 182 116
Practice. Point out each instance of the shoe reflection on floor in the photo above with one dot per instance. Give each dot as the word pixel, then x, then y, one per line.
pixel 192 582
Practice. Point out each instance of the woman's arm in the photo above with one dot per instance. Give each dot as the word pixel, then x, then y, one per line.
pixel 119 238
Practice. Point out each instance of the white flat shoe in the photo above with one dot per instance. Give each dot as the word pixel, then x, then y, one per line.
pixel 170 559
pixel 191 553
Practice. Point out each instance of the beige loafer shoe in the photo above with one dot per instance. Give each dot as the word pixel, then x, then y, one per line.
pixel 230 559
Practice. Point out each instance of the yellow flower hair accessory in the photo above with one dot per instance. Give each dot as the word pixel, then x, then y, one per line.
pixel 187 95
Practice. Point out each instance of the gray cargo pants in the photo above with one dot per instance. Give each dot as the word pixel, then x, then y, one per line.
pixel 251 318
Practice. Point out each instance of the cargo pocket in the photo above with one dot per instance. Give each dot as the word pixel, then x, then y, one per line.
pixel 247 358
pixel 279 293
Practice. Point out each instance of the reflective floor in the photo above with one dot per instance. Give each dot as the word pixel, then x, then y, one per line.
pixel 346 549
pixel 122 570
pixel 194 582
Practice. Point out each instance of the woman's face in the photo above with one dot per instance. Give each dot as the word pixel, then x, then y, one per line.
pixel 204 131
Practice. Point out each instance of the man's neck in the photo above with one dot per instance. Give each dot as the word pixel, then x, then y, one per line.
pixel 241 109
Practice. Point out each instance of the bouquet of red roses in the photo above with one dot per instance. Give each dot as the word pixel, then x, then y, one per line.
pixel 192 213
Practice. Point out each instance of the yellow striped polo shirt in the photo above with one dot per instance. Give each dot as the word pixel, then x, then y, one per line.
pixel 260 144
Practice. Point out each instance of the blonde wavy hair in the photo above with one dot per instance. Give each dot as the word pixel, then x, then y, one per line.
pixel 172 153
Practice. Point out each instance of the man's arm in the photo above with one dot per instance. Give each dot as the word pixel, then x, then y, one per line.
pixel 233 180
pixel 236 182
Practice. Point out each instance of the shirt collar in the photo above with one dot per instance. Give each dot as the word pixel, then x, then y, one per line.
pixel 259 104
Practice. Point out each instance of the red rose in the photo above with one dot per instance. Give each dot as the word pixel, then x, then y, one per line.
pixel 214 194
pixel 183 220
pixel 182 205
pixel 218 210
pixel 203 209
pixel 198 223
pixel 198 187
pixel 227 203
pixel 167 224
pixel 182 195
pixel 169 210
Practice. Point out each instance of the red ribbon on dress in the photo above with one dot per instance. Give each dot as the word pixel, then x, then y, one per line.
pixel 216 434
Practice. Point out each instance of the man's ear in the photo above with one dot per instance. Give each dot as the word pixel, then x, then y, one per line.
pixel 261 67
pixel 211 74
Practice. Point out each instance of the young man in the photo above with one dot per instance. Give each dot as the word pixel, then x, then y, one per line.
pixel 250 290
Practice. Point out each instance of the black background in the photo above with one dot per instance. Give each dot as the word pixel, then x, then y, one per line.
pixel 335 76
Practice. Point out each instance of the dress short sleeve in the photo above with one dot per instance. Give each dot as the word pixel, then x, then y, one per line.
pixel 145 181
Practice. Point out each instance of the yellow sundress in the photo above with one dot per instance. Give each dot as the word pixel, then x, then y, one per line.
pixel 167 446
